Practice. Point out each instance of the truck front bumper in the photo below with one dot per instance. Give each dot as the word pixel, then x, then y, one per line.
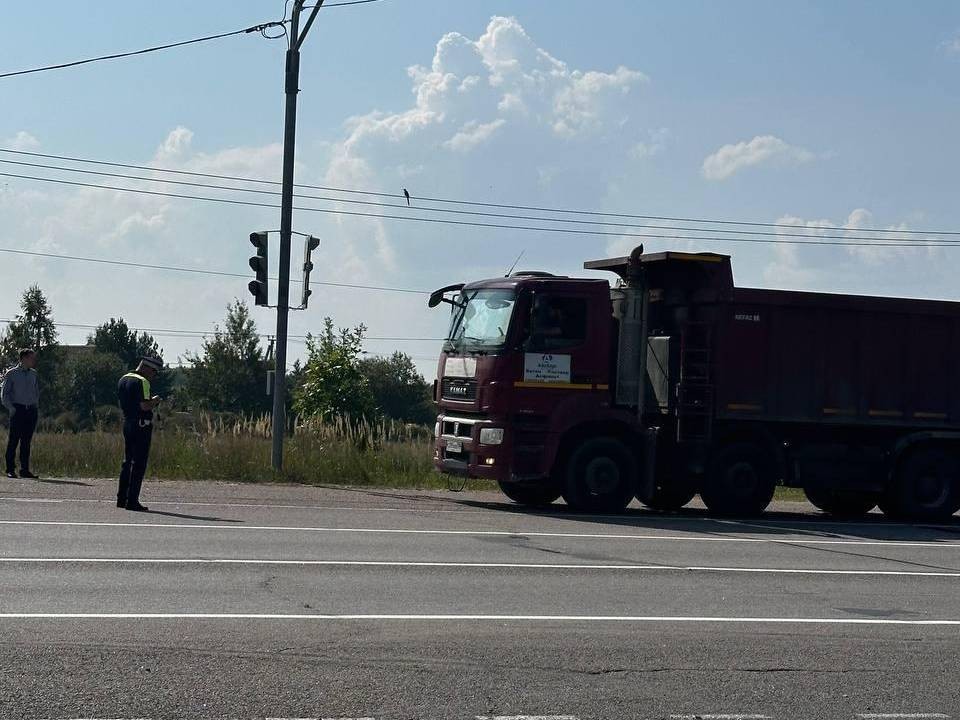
pixel 458 450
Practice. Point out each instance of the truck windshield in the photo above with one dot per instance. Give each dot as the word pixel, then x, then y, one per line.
pixel 480 320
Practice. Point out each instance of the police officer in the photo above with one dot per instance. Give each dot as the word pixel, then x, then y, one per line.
pixel 21 394
pixel 137 404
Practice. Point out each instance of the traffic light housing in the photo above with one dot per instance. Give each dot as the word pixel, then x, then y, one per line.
pixel 309 245
pixel 260 266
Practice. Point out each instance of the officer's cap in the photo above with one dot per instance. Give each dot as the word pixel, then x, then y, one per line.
pixel 153 363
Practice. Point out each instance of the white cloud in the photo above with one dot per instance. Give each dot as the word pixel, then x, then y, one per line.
pixel 655 143
pixel 534 129
pixel 175 146
pixel 473 134
pixel 22 141
pixel 856 267
pixel 951 46
pixel 582 104
pixel 761 150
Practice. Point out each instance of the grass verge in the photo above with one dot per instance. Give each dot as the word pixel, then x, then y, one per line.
pixel 383 455
pixel 379 455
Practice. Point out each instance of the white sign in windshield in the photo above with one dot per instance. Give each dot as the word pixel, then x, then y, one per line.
pixel 546 368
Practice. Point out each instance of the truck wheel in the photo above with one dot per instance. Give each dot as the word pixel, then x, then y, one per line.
pixel 532 495
pixel 842 503
pixel 600 476
pixel 926 486
pixel 741 481
pixel 671 497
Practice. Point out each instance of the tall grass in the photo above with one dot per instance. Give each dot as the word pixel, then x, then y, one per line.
pixel 206 447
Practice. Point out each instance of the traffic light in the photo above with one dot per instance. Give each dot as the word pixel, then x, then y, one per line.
pixel 258 263
pixel 309 245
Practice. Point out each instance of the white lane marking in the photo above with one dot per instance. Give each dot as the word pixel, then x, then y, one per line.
pixel 33 500
pixel 902 715
pixel 721 716
pixel 487 533
pixel 645 515
pixel 560 514
pixel 279 506
pixel 472 565
pixel 526 717
pixel 480 618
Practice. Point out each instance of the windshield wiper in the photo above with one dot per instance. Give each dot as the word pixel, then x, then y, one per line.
pixel 480 341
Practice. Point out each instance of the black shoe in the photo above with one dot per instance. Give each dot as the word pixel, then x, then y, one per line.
pixel 28 475
pixel 11 474
pixel 121 504
pixel 137 507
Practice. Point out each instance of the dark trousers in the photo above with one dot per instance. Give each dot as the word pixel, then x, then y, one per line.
pixel 22 425
pixel 136 449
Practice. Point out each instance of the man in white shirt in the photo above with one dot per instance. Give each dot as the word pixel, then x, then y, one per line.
pixel 21 396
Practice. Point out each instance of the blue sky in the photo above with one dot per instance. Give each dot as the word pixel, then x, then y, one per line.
pixel 834 113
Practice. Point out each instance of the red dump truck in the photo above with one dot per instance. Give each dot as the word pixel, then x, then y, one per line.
pixel 674 382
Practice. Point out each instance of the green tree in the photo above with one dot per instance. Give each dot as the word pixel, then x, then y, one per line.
pixel 400 392
pixel 230 373
pixel 87 380
pixel 33 327
pixel 114 337
pixel 332 383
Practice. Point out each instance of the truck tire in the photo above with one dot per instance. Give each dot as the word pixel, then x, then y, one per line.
pixel 671 496
pixel 741 480
pixel 841 503
pixel 926 485
pixel 600 476
pixel 531 495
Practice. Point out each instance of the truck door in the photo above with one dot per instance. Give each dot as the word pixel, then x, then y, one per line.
pixel 562 345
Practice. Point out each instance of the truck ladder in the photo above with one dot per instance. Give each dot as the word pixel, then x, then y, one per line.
pixel 695 389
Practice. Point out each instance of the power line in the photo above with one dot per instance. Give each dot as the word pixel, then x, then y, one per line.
pixel 503 226
pixel 605 223
pixel 253 28
pixel 342 4
pixel 170 332
pixel 198 271
pixel 398 196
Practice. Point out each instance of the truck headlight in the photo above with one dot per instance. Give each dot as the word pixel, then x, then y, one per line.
pixel 491 436
pixel 436 429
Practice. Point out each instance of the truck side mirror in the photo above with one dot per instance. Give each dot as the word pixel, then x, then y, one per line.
pixel 437 296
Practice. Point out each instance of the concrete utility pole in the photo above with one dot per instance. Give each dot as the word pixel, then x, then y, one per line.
pixel 291 85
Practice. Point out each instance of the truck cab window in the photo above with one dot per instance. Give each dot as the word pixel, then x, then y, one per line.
pixel 481 320
pixel 557 322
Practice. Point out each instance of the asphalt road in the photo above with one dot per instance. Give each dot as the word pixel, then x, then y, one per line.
pixel 239 601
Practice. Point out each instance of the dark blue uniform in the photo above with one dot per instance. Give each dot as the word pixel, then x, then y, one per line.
pixel 137 433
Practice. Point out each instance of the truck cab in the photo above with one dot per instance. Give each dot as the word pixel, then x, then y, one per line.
pixel 528 358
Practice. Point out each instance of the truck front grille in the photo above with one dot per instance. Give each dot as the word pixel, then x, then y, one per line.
pixel 458 389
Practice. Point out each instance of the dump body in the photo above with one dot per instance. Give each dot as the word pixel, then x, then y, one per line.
pixel 799 357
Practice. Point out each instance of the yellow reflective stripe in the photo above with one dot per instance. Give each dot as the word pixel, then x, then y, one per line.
pixel 744 406
pixel 559 385
pixel 142 379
